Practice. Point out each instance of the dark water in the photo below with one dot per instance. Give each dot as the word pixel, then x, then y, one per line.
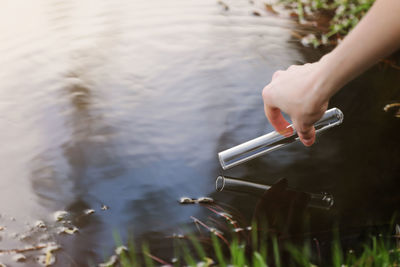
pixel 126 104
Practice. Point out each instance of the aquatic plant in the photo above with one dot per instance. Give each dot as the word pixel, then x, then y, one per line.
pixel 342 17
pixel 247 248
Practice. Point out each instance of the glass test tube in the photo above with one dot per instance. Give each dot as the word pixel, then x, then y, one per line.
pixel 273 141
pixel 321 201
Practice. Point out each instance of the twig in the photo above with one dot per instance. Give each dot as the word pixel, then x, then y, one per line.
pixel 212 230
pixel 158 259
pixel 22 250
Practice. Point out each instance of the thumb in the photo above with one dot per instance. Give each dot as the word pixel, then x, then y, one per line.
pixel 277 120
pixel 306 132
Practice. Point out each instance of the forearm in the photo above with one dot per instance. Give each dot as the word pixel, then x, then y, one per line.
pixel 376 36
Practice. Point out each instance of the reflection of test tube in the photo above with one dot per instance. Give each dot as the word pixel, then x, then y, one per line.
pixel 321 201
pixel 274 140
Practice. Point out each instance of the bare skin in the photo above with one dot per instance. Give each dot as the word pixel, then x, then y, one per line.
pixel 303 91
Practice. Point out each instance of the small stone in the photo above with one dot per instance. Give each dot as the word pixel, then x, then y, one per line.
pixel 104 207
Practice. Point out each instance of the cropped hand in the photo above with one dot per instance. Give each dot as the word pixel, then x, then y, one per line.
pixel 303 91
pixel 297 92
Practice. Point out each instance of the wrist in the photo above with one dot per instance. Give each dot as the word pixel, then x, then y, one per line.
pixel 330 76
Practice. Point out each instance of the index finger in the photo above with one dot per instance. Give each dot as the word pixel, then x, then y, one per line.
pixel 277 120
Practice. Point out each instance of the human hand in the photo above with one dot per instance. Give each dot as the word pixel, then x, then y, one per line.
pixel 301 92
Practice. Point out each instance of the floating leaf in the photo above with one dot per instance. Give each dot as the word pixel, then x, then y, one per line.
pixel 88 211
pixel 205 200
pixel 187 200
pixel 60 215
pixel 40 224
pixel 68 230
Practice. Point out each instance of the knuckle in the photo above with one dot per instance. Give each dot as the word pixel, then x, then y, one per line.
pixel 276 74
pixel 265 93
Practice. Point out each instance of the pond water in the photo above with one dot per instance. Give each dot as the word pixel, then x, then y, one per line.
pixel 126 104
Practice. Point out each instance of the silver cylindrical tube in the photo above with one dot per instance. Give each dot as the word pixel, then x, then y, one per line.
pixel 223 183
pixel 273 141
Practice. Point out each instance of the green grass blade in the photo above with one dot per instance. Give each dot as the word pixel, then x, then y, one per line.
pixel 218 250
pixel 275 248
pixel 147 259
pixel 258 260
pixel 198 247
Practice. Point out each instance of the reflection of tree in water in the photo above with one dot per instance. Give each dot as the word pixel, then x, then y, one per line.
pixel 84 154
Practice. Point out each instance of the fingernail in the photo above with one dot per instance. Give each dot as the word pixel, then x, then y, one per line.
pixel 307 142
